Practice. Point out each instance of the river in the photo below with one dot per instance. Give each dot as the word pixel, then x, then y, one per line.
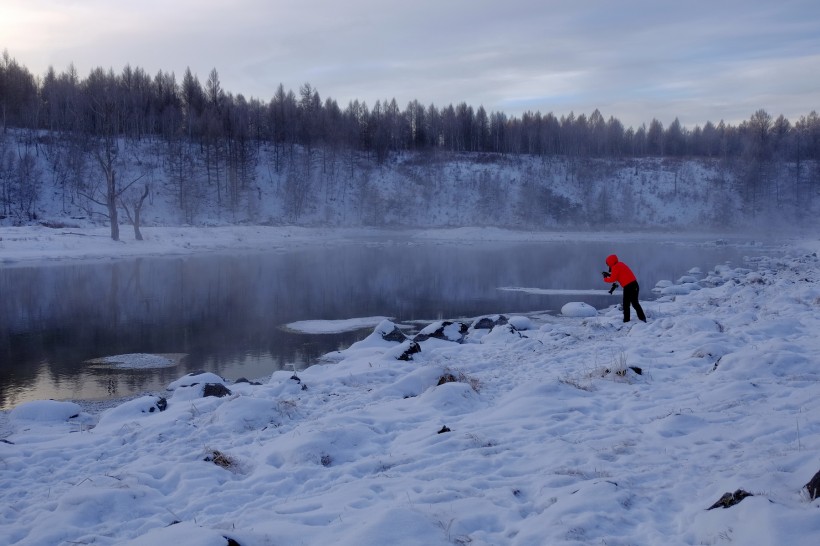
pixel 226 313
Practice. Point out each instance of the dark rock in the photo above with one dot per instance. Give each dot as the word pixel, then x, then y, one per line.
pixel 216 389
pixel 730 499
pixel 395 335
pixel 483 324
pixel 446 378
pixel 622 372
pixel 813 487
pixel 162 404
pixel 444 429
pixel 298 380
pixel 248 381
pixel 439 332
pixel 487 323
pixel 412 349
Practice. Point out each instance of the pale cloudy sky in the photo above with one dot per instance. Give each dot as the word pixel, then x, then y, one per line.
pixel 635 59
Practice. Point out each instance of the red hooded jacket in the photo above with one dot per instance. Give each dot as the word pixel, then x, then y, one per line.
pixel 620 271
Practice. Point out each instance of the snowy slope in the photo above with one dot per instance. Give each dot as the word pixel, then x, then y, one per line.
pixel 410 190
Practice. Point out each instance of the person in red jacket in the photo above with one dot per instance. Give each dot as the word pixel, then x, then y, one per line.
pixel 619 272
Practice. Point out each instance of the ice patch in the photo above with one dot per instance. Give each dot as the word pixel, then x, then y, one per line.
pixel 555 291
pixel 138 361
pixel 334 326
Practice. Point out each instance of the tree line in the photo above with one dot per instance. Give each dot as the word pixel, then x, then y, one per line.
pixel 136 105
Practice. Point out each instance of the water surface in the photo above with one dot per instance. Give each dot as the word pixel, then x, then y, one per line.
pixel 226 312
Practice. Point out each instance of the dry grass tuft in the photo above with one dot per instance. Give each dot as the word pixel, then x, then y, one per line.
pixel 221 459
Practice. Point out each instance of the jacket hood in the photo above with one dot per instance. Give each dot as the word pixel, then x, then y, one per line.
pixel 611 260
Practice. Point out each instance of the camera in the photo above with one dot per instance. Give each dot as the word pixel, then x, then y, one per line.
pixel 613 287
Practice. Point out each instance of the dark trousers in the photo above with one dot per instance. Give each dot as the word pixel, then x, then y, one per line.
pixel 631 291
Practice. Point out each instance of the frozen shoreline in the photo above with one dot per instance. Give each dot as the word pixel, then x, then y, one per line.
pixel 37 245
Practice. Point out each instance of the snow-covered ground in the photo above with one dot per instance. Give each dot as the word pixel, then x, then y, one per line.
pixel 540 431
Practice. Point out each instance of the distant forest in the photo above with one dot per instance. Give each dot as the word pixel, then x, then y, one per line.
pixel 134 104
pixel 92 115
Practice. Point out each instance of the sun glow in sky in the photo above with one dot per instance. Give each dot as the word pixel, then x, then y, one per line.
pixel 636 59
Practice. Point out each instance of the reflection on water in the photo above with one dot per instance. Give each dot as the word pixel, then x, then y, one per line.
pixel 226 312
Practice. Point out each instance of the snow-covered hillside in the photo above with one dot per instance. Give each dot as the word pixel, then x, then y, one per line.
pixel 324 187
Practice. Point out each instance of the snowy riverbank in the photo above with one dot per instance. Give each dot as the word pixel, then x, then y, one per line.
pixel 547 435
pixel 35 245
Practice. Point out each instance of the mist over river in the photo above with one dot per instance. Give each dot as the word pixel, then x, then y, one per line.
pixel 226 312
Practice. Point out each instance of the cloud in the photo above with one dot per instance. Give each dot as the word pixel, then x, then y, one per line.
pixel 634 59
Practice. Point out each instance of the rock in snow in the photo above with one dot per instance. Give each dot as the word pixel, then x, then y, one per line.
pixel 578 309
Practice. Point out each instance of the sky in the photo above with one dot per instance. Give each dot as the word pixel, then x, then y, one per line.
pixel 637 60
